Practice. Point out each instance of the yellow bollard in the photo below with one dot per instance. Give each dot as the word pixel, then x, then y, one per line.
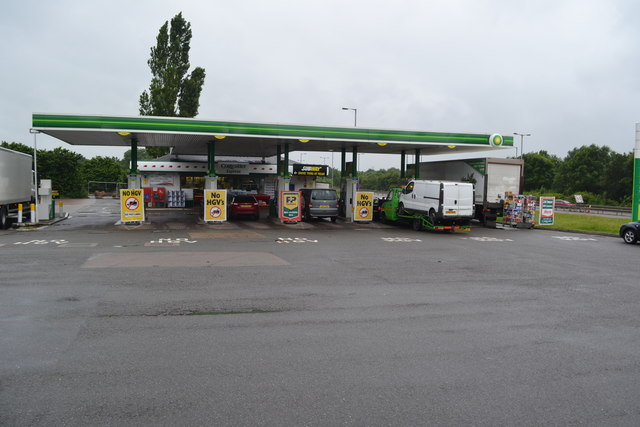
pixel 33 213
pixel 19 213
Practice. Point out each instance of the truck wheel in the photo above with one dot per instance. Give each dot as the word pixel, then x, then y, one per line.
pixel 4 218
pixel 416 224
pixel 432 217
pixel 383 218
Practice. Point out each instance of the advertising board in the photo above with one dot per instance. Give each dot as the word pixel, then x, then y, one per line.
pixel 290 206
pixel 215 205
pixel 363 209
pixel 310 170
pixel 547 211
pixel 131 205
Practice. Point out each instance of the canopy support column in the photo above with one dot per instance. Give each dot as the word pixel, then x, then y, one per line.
pixel 286 161
pixel 284 180
pixel 354 169
pixel 403 164
pixel 635 212
pixel 133 181
pixel 417 168
pixel 278 160
pixel 212 179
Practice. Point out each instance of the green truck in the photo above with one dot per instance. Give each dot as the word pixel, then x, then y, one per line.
pixel 392 210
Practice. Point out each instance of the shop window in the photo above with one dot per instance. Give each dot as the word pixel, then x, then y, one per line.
pixel 190 181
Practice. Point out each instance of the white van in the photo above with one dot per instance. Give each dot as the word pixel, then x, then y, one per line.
pixel 440 200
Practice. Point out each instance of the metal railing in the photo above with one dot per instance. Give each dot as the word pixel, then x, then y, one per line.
pixel 113 188
pixel 597 209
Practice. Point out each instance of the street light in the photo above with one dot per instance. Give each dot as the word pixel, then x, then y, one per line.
pixel 355 116
pixel 325 159
pixel 522 135
pixel 35 167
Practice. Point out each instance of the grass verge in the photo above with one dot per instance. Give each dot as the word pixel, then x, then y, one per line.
pixel 599 224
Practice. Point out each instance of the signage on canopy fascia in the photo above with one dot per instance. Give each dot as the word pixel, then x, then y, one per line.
pixel 310 170
pixel 222 168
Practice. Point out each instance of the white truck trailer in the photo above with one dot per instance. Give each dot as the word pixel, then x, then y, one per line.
pixel 16 184
pixel 494 178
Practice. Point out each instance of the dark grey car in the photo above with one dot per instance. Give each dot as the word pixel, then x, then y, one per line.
pixel 320 203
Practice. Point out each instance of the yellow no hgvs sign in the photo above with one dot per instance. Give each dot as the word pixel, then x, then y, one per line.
pixel 131 205
pixel 363 209
pixel 215 205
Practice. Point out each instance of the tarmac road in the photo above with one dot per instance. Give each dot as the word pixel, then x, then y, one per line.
pixel 257 323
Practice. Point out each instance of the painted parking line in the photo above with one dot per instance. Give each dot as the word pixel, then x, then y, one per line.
pixel 575 238
pixel 226 235
pixel 400 239
pixel 487 239
pixel 295 240
pixel 77 245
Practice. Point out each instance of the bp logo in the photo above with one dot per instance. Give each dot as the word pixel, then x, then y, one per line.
pixel 496 140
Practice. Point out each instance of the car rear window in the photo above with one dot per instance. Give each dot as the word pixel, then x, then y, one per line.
pixel 244 199
pixel 324 195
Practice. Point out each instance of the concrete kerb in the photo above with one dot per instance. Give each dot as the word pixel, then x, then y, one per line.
pixel 27 226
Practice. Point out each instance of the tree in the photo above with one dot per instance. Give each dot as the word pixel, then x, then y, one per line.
pixel 63 168
pixel 618 177
pixel 105 169
pixel 143 154
pixel 172 92
pixel 379 180
pixel 16 146
pixel 583 170
pixel 539 170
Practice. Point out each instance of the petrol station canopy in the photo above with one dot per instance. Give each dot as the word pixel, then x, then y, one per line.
pixel 192 136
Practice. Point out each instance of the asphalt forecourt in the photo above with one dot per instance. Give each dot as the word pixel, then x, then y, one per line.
pixel 279 325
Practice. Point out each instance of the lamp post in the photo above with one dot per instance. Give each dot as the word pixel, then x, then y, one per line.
pixel 325 159
pixel 35 169
pixel 355 116
pixel 522 135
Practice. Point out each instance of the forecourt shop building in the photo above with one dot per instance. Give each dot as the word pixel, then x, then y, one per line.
pixel 231 148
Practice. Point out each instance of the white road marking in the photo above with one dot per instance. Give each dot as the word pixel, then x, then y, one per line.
pixel 400 239
pixel 295 240
pixel 574 238
pixel 171 241
pixel 487 239
pixel 42 242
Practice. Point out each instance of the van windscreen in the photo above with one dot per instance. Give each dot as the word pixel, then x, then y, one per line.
pixel 324 195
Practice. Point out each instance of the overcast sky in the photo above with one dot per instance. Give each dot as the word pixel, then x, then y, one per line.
pixel 568 71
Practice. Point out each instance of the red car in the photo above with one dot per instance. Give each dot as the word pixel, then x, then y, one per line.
pixel 244 205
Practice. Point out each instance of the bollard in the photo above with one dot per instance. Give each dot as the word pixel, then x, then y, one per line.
pixel 61 213
pixel 33 213
pixel 19 213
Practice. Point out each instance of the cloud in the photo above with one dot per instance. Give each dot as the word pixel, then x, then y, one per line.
pixel 566 72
